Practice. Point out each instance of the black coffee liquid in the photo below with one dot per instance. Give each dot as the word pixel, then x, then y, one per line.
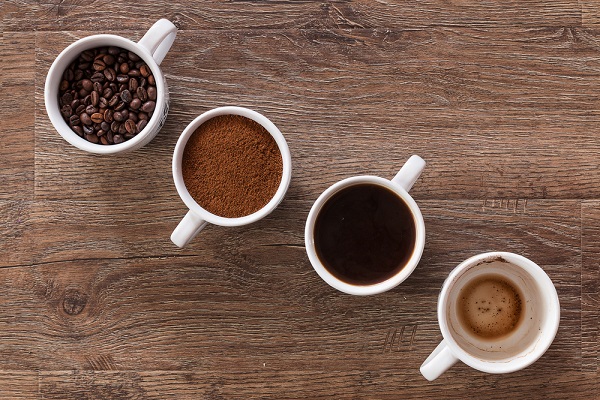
pixel 364 234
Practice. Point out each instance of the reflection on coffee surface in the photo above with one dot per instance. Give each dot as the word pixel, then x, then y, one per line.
pixel 364 234
pixel 490 307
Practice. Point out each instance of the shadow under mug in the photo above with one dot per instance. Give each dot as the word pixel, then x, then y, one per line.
pixel 197 217
pixel 400 185
pixel 152 49
pixel 531 337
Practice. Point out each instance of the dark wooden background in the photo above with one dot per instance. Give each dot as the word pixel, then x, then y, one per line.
pixel 501 98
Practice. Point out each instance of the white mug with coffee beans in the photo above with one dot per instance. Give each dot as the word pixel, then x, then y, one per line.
pixel 365 234
pixel 152 49
pixel 498 313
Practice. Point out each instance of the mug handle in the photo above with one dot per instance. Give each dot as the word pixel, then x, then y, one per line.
pixel 159 39
pixel 438 362
pixel 188 228
pixel 410 172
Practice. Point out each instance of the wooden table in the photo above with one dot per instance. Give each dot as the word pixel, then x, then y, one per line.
pixel 500 98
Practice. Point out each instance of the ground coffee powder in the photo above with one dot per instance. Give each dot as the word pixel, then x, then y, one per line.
pixel 232 166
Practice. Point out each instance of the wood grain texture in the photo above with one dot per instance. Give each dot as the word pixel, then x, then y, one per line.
pixel 17 114
pixel 499 114
pixel 590 286
pixel 50 15
pixel 16 385
pixel 500 98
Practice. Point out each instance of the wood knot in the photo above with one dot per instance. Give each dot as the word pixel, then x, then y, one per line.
pixel 74 301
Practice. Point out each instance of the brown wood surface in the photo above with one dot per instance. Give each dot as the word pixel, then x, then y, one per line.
pixel 500 98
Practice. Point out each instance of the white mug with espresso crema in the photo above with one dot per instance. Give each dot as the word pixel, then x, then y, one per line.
pixel 475 310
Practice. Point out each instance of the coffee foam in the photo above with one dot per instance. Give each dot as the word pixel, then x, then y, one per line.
pixel 490 306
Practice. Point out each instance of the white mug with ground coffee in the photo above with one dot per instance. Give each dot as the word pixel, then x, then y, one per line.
pixel 231 167
pixel 106 94
pixel 365 235
pixel 498 313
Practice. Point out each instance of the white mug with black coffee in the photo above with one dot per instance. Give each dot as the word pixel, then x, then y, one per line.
pixel 365 235
pixel 498 313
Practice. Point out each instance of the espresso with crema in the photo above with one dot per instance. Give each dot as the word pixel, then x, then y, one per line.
pixel 490 307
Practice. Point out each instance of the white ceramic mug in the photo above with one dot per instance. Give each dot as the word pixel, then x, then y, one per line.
pixel 197 217
pixel 518 349
pixel 152 48
pixel 400 185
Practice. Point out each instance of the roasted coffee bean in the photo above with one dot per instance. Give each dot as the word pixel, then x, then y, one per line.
pixel 152 93
pixel 85 119
pixel 105 126
pixel 120 105
pixel 135 103
pixel 113 100
pixel 124 68
pixel 95 97
pixel 75 103
pixel 104 140
pixel 80 108
pixel 143 82
pixel 91 110
pixel 148 106
pixel 87 85
pixel 110 74
pixel 97 87
pixel 151 80
pixel 115 126
pixel 118 139
pixel 92 138
pixel 142 94
pixel 78 130
pixel 107 93
pixel 118 116
pixel 143 116
pixel 133 85
pixel 129 136
pixel 122 129
pixel 64 85
pixel 68 75
pixel 78 75
pixel 99 65
pixel 141 125
pixel 87 55
pixel 66 98
pixel 109 137
pixel 102 103
pixel 126 96
pixel 134 73
pixel 133 116
pixel 145 71
pixel 88 130
pixel 112 50
pixel 98 77
pixel 108 59
pixel 100 132
pixel 108 116
pixel 122 78
pixel 130 127
pixel 125 113
pixel 132 56
pixel 97 118
pixel 66 111
pixel 74 120
pixel 83 93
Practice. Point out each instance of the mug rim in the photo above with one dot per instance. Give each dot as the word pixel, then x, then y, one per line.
pixel 391 282
pixel 275 133
pixel 55 74
pixel 550 323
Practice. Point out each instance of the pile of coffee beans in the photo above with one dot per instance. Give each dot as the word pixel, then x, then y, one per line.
pixel 107 95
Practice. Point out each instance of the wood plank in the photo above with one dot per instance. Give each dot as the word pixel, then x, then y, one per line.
pixel 15 385
pixel 269 381
pixel 17 112
pixel 69 15
pixel 590 286
pixel 497 113
pixel 250 296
